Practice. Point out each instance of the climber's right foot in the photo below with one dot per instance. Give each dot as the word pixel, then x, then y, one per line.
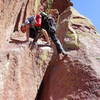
pixel 62 54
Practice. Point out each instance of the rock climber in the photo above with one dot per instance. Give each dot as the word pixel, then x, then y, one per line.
pixel 33 25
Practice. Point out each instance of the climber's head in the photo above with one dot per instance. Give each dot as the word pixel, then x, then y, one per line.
pixel 23 28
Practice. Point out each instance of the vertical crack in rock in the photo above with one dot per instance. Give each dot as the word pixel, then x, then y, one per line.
pixel 18 20
pixel 46 76
pixel 38 96
pixel 21 16
pixel 24 17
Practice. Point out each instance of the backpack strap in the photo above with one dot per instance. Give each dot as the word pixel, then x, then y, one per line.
pixel 44 15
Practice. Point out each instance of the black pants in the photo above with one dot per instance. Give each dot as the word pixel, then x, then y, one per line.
pixel 34 34
pixel 50 26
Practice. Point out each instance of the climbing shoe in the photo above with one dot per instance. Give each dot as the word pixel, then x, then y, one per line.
pixel 64 52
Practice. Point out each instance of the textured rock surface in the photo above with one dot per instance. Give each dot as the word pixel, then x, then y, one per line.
pixel 12 14
pixel 77 76
pixel 74 77
pixel 61 5
pixel 57 4
pixel 21 70
pixel 71 25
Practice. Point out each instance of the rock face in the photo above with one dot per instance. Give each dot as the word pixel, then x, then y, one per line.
pixel 12 14
pixel 58 4
pixel 77 76
pixel 61 5
pixel 22 71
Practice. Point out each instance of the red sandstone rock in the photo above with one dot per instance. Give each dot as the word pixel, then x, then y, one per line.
pixel 13 13
pixel 21 70
pixel 61 5
pixel 77 76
